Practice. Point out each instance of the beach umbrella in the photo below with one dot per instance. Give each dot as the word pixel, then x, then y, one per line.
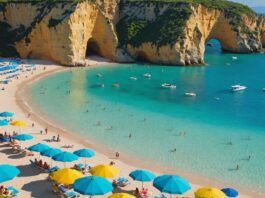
pixel 65 157
pixel 66 176
pixel 85 153
pixel 6 114
pixel 4 122
pixel 18 123
pixel 106 171
pixel 230 192
pixel 121 195
pixel 39 147
pixel 92 185
pixel 208 192
pixel 23 137
pixel 50 153
pixel 142 176
pixel 8 172
pixel 171 184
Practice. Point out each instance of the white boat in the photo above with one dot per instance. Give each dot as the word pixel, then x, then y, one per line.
pixel 99 75
pixel 190 94
pixel 234 58
pixel 133 78
pixel 236 88
pixel 169 86
pixel 147 75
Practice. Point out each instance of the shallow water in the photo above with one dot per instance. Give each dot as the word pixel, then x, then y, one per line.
pixel 159 120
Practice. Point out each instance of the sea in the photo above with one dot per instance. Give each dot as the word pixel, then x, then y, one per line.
pixel 211 134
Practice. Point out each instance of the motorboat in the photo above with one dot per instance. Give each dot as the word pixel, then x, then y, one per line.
pixel 147 75
pixel 117 85
pixel 99 75
pixel 190 94
pixel 168 86
pixel 236 88
pixel 234 57
pixel 133 78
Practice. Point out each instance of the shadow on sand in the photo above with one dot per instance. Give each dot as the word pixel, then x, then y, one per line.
pixel 39 188
pixel 28 171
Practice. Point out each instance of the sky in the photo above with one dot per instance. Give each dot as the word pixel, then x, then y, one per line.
pixel 251 3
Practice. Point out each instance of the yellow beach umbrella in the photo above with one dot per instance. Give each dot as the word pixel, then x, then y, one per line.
pixel 121 195
pixel 66 176
pixel 18 123
pixel 208 192
pixel 106 171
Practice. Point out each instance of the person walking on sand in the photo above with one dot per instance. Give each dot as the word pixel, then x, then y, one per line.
pixel 46 130
pixel 117 155
pixel 58 138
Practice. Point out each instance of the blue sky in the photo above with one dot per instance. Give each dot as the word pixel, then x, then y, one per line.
pixel 252 3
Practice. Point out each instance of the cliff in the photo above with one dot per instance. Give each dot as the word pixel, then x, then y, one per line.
pixel 165 32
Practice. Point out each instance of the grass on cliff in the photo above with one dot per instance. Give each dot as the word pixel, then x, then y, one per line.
pixel 168 28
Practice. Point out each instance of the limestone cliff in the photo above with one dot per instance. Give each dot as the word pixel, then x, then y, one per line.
pixel 161 32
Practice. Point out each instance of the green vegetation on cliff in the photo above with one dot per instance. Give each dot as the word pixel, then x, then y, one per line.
pixel 135 27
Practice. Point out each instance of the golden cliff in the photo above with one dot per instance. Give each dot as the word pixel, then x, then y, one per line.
pixel 159 32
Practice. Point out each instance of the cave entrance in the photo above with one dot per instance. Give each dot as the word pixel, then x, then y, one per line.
pixel 92 48
pixel 213 46
pixel 142 57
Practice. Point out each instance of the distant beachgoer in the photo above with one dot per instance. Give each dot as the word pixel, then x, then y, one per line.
pixel 174 150
pixel 87 110
pixel 98 123
pixel 184 133
pixel 230 143
pixel 32 124
pixel 58 138
pixel 130 135
pixel 112 163
pixel 237 167
pixel 41 132
pixel 249 157
pixel 29 115
pixel 117 155
pixel 46 130
pixel 144 119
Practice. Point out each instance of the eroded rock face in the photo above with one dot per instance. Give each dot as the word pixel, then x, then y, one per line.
pixel 159 32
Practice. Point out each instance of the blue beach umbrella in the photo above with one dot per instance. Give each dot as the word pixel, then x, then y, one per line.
pixel 4 122
pixel 85 153
pixel 171 184
pixel 50 153
pixel 23 137
pixel 92 185
pixel 8 172
pixel 65 157
pixel 142 175
pixel 39 147
pixel 6 114
pixel 230 192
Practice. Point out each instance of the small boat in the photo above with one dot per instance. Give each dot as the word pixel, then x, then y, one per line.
pixel 169 86
pixel 236 88
pixel 190 94
pixel 133 78
pixel 147 75
pixel 98 85
pixel 234 57
pixel 117 85
pixel 99 75
pixel 263 89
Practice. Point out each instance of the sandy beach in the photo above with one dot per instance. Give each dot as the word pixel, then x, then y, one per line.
pixel 32 182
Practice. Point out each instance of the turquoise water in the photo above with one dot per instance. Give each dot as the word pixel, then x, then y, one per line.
pixel 157 118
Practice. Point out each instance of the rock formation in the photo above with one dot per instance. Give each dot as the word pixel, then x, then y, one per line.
pixel 160 32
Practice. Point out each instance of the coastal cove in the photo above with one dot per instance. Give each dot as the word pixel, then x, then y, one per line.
pixel 118 115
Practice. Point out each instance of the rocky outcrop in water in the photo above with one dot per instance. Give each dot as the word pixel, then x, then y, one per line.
pixel 156 31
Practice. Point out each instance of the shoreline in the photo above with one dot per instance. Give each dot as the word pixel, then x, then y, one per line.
pixel 22 100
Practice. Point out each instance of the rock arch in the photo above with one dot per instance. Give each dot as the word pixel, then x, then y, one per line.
pixel 92 47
